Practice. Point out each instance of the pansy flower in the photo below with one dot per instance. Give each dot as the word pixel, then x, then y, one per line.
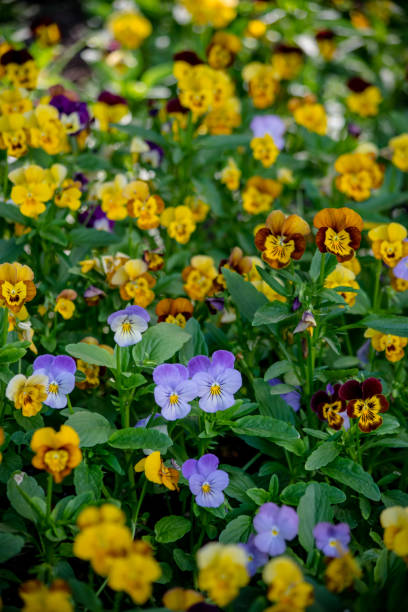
pixel 60 371
pixel 57 452
pixel 255 558
pixel 330 407
pixel 216 380
pixel 274 526
pixel 206 482
pixel 332 540
pixel 177 311
pixel 155 471
pixel 128 325
pixel 173 390
pixel 16 286
pixel 389 242
pixel 365 402
pixel 339 232
pixel 282 239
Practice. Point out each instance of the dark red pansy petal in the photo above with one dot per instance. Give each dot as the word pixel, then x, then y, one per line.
pixel 320 236
pixel 384 403
pixel 336 389
pixel 355 236
pixel 260 238
pixel 370 387
pixel 300 245
pixel 318 398
pixel 350 390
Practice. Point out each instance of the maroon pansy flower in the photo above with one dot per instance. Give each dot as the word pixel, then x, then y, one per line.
pixel 365 402
pixel 328 406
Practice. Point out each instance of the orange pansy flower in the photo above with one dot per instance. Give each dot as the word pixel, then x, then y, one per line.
pixel 282 239
pixel 339 232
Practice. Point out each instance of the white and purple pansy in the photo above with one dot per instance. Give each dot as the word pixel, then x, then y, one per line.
pixel 128 325
pixel 60 371
pixel 216 380
pixel 173 390
pixel 206 482
pixel 274 525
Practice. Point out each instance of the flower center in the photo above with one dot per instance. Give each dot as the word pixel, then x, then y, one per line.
pixel 173 399
pixel 215 389
pixel 275 530
pixel 56 460
pixel 205 487
pixel 337 243
pixel 277 248
pixel 333 542
pixel 126 327
pixel 53 387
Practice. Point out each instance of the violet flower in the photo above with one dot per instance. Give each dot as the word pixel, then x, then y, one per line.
pixel 173 390
pixel 96 219
pixel 206 482
pixel 292 398
pixel 332 540
pixel 216 380
pixel 274 526
pixel 128 325
pixel 73 114
pixel 61 378
pixel 401 269
pixel 255 558
pixel 269 124
pixel 306 322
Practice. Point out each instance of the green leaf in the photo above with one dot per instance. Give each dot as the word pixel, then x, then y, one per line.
pixel 244 295
pixel 83 236
pixel 134 438
pixel 209 192
pixel 171 528
pixel 91 354
pixel 292 494
pixel 88 479
pixel 271 313
pixel 55 234
pixel 313 508
pixel 277 369
pixel 352 475
pixel 10 546
pixel 159 343
pixel 396 325
pixel 322 455
pixel 12 212
pixel 265 427
pixel 91 427
pixel 184 560
pixel 314 269
pixel 197 344
pixel 223 142
pixel 20 490
pixel 145 134
pixel 29 423
pixel 84 595
pixel 237 530
pixel 10 354
pixel 259 496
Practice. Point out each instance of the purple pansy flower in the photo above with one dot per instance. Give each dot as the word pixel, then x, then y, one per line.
pixel 216 380
pixel 401 269
pixel 174 390
pixel 73 114
pixel 61 378
pixel 274 525
pixel 96 219
pixel 269 124
pixel 255 558
pixel 128 325
pixel 206 482
pixel 332 540
pixel 292 398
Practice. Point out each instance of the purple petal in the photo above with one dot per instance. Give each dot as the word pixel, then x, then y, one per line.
pixel 201 363
pixel 214 499
pixel 169 374
pixel 266 542
pixel 214 403
pixel 172 412
pixel 43 362
pixel 207 463
pixel 64 363
pixel 230 381
pixel 288 522
pixel 401 269
pixel 195 482
pixel 65 382
pixel 218 480
pixel 266 517
pixel 223 359
pixel 203 381
pixel 139 311
pixel 189 468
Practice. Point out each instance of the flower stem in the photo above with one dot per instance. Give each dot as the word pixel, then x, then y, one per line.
pixel 322 269
pixel 49 494
pixel 139 505
pixel 377 292
pixel 310 364
pixel 70 408
pixel 119 386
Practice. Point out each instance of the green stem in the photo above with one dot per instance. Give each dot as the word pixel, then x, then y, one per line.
pixel 377 292
pixel 5 178
pixel 322 269
pixel 70 408
pixel 139 505
pixel 4 326
pixel 124 414
pixel 49 494
pixel 310 364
